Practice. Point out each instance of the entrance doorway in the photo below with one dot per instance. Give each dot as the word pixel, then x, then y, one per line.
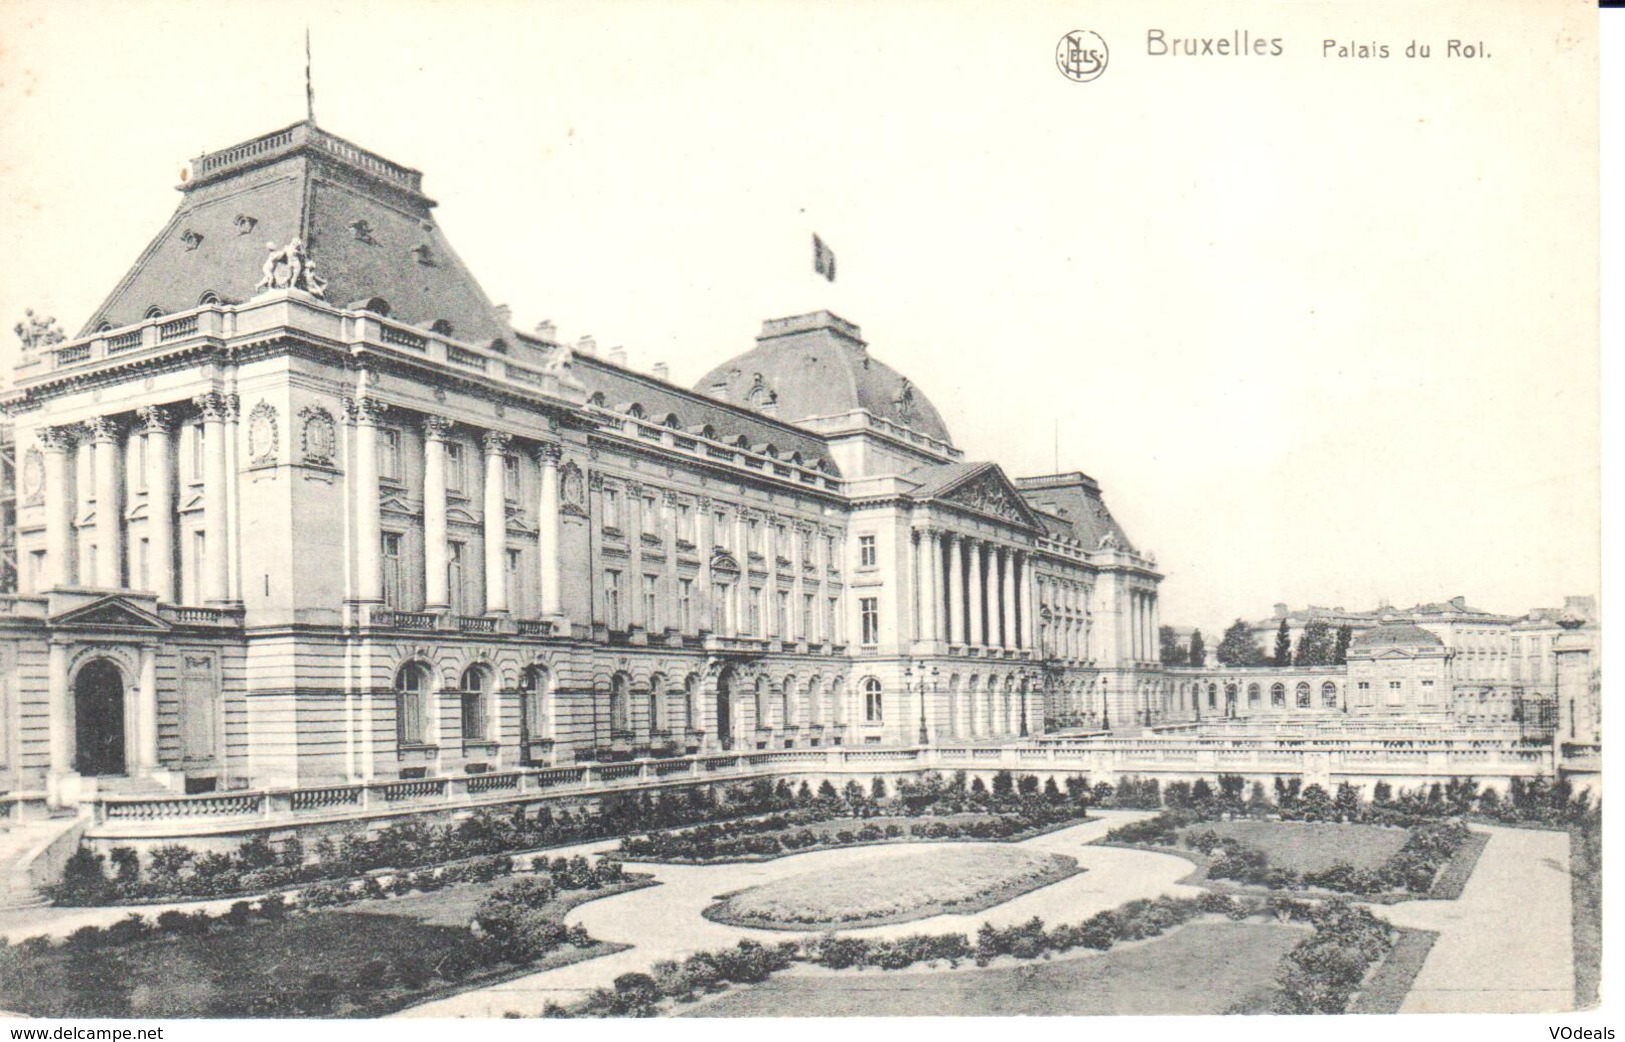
pixel 98 709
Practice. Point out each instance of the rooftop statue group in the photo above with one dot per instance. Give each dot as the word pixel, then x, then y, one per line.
pixel 289 267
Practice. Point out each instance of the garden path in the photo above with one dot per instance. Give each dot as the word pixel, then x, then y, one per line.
pixel 1505 946
pixel 664 922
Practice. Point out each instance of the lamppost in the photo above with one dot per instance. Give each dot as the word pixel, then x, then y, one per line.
pixel 925 674
pixel 1024 678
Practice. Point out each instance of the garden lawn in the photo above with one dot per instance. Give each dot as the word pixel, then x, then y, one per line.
pixel 875 890
pixel 1306 846
pixel 378 957
pixel 1202 968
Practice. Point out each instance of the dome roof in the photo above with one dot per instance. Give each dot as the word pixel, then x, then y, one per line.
pixel 1396 635
pixel 818 365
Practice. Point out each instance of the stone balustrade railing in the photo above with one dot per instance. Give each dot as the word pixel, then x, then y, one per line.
pixel 1329 760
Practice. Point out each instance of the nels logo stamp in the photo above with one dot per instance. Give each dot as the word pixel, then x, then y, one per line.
pixel 1081 55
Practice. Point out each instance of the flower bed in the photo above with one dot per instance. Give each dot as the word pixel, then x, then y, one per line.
pixel 892 889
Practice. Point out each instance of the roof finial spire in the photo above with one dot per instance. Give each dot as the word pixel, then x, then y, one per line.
pixel 310 89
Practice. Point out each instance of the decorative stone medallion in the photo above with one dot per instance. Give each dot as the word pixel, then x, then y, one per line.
pixel 262 433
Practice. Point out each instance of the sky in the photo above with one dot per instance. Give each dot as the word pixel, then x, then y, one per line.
pixel 1323 328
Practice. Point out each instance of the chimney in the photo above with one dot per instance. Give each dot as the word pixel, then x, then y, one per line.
pixel 617 355
pixel 587 345
pixel 547 330
pixel 662 371
pixel 504 315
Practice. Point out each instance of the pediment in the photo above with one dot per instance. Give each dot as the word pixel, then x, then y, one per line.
pixel 723 561
pixel 111 613
pixel 458 516
pixel 988 491
pixel 395 505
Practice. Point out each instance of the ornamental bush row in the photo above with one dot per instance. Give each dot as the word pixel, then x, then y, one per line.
pixel 1347 940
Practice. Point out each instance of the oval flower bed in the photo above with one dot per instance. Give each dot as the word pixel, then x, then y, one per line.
pixel 894 888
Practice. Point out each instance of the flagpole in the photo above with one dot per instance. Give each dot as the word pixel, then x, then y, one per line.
pixel 310 90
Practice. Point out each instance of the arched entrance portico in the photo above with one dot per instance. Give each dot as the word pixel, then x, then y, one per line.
pixel 98 711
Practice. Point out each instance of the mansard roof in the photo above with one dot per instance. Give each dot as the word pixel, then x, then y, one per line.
pixel 1074 508
pixel 366 225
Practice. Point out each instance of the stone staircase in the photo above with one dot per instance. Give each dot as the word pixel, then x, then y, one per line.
pixel 32 853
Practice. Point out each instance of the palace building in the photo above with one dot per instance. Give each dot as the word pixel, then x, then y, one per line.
pixel 298 506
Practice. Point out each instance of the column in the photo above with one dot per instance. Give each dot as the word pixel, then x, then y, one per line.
pixel 668 526
pixel 104 436
pixel 496 522
pixel 634 566
pixel 770 594
pixel 956 588
pixel 973 628
pixel 363 412
pixel 56 443
pixel 160 505
pixel 145 753
pixel 216 559
pixel 742 587
pixel 1029 618
pixel 436 590
pixel 1007 580
pixel 706 541
pixel 797 552
pixel 231 469
pixel 929 607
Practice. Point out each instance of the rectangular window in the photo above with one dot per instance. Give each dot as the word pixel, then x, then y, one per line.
pixel 753 620
pixel 753 532
pixel 866 551
pixel 143 575
pixel 782 619
pixel 510 478
pixel 36 571
pixel 649 519
pixel 834 632
pixel 721 604
pixel 390 548
pixel 829 554
pixel 612 508
pixel 1396 692
pixel 685 522
pixel 516 583
pixel 455 554
pixel 869 612
pixel 389 454
pixel 473 712
pixel 651 603
pixel 456 475
pixel 612 599
pixel 197 452
pixel 719 530
pixel 807 601
pixel 685 605
pixel 199 556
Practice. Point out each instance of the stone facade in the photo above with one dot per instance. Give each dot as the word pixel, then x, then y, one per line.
pixel 266 538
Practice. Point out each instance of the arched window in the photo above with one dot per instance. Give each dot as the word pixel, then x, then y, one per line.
pixel 209 297
pixel 1213 696
pixel 1301 693
pixel 533 691
pixel 657 704
pixel 708 431
pixel 620 709
pixel 475 686
pixel 635 411
pixel 1278 696
pixel 762 690
pixel 1328 695
pixel 672 422
pixel 442 326
pixel 815 701
pixel 1254 693
pixel 787 717
pixel 153 312
pixel 873 708
pixel 837 700
pixel 597 399
pixel 412 704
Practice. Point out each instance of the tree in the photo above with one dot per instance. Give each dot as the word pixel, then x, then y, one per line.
pixel 1340 654
pixel 1198 650
pixel 1283 646
pixel 1314 645
pixel 1173 653
pixel 1238 647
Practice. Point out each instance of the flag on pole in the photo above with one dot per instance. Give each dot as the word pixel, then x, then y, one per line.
pixel 823 259
pixel 310 90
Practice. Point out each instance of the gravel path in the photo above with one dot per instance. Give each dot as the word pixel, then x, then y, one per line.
pixel 664 922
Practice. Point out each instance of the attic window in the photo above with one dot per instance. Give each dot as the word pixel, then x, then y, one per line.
pixel 209 297
pixel 424 254
pixel 362 231
pixel 441 326
pixel 104 327
pixel 741 442
pixel 635 411
pixel 708 431
pixel 153 312
pixel 500 345
pixel 191 239
pixel 770 450
pixel 672 421
pixel 597 399
pixel 245 224
pixel 376 305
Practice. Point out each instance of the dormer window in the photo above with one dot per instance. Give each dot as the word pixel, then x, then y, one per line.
pixel 209 297
pixel 635 411
pixel 441 326
pixel 153 312
pixel 362 231
pixel 245 224
pixel 191 239
pixel 424 253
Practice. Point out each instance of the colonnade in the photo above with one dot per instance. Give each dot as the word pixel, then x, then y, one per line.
pixel 1143 626
pixel 99 553
pixel 987 598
